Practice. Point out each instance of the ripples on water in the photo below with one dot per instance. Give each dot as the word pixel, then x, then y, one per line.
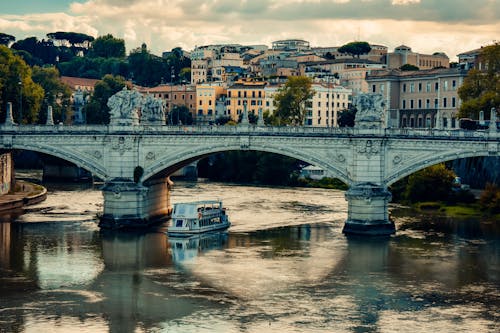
pixel 283 266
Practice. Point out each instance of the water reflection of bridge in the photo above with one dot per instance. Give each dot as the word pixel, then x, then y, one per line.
pixel 124 282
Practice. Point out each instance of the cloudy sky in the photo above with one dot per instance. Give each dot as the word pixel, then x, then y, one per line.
pixel 450 26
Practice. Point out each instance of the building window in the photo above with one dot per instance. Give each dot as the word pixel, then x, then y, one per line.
pixel 419 103
pixel 245 94
pixel 436 103
pixel 445 85
pixel 411 104
pixel 404 87
pixel 229 94
pixel 382 88
pixel 404 104
pixel 420 87
pixel 427 103
pixel 436 86
pixel 428 87
pixel 210 102
pixel 201 102
pixel 319 104
pixel 374 88
pixel 453 102
pixel 454 84
pixel 445 102
pixel 412 87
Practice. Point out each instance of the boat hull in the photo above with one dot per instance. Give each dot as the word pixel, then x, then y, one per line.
pixel 190 232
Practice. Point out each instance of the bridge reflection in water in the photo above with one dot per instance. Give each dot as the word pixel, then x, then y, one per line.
pixel 124 282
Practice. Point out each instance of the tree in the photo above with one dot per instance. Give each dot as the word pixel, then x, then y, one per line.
pixel 16 86
pixel 355 48
pixel 347 116
pixel 6 39
pixel 180 114
pixel 408 67
pixel 97 110
pixel 480 90
pixel 43 52
pixel 430 184
pixel 57 94
pixel 291 100
pixel 148 69
pixel 77 41
pixel 108 46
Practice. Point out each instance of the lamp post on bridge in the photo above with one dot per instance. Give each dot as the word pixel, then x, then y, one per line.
pixel 20 83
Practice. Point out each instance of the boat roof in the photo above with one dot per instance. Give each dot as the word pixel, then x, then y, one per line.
pixel 201 202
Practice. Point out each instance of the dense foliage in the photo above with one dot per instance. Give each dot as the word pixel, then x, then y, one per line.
pixel 355 48
pixel 57 94
pixel 480 88
pixel 347 116
pixel 291 100
pixel 409 67
pixel 97 110
pixel 17 86
pixel 490 199
pixel 430 184
pixel 249 167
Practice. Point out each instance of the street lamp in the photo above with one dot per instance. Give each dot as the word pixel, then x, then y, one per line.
pixel 20 83
pixel 172 77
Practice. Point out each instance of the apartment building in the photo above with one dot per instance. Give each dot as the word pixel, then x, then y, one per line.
pixel 326 104
pixel 245 93
pixel 419 99
pixel 208 63
pixel 403 55
pixel 173 95
pixel 350 72
pixel 207 98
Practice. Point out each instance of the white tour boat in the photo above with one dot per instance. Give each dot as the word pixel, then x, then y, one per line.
pixel 197 217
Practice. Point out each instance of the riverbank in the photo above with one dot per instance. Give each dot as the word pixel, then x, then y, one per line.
pixel 25 194
pixel 463 210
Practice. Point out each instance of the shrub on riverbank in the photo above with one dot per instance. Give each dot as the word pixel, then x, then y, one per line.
pixel 325 182
pixel 490 199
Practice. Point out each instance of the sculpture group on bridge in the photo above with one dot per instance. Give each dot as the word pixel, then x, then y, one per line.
pixel 126 106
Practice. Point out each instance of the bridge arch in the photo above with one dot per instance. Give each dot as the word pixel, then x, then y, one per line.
pixel 426 161
pixel 67 155
pixel 170 163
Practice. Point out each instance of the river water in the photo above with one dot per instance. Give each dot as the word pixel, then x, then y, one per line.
pixel 283 266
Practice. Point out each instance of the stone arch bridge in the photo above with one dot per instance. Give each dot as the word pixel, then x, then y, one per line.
pixel 134 161
pixel 136 153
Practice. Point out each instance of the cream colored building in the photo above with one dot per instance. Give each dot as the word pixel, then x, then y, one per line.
pixel 251 94
pixel 403 55
pixel 419 99
pixel 326 104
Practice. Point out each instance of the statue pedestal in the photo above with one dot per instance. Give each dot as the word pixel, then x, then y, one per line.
pixel 367 211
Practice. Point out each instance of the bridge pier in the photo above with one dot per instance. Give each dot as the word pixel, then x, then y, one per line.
pixel 133 205
pixel 368 210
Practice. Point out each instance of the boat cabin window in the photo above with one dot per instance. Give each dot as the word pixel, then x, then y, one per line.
pixel 178 223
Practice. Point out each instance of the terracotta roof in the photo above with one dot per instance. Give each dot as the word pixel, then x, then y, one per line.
pixel 76 82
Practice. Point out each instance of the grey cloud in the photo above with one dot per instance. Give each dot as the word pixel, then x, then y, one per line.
pixel 427 10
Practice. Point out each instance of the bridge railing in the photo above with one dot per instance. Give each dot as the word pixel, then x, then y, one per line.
pixel 248 130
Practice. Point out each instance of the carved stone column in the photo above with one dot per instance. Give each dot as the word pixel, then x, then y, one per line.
pixel 493 120
pixel 9 119
pixel 368 210
pixel 50 119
